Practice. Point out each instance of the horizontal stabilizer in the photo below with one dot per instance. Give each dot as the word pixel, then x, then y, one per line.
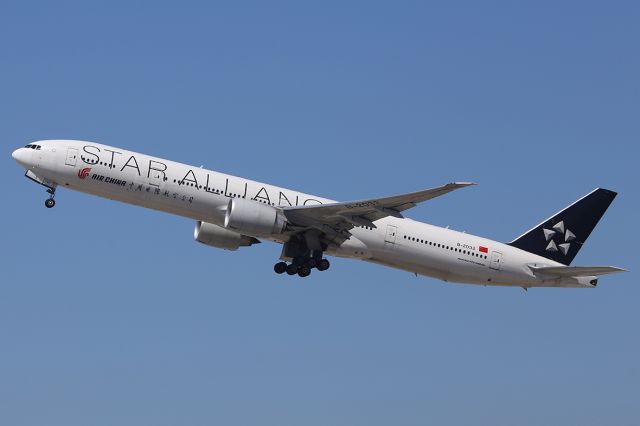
pixel 576 271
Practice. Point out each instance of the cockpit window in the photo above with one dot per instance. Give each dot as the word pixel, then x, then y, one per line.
pixel 37 147
pixel 32 146
pixel 28 146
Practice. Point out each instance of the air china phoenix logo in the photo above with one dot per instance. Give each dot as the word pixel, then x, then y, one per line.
pixel 565 235
pixel 84 172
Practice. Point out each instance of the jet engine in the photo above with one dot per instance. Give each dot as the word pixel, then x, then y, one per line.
pixel 253 218
pixel 217 236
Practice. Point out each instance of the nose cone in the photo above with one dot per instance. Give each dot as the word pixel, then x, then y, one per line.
pixel 21 155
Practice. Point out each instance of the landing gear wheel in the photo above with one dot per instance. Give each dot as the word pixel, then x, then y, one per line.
pixel 50 203
pixel 304 271
pixel 311 263
pixel 292 269
pixel 323 265
pixel 280 267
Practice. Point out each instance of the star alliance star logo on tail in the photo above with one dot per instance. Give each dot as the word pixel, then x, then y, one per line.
pixel 84 172
pixel 565 234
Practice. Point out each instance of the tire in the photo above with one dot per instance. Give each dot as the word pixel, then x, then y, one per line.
pixel 292 269
pixel 323 265
pixel 50 203
pixel 304 271
pixel 280 267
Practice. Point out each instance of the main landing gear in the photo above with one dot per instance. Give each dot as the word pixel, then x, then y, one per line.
pixel 301 266
pixel 306 253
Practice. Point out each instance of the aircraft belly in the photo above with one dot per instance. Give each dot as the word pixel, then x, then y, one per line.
pixel 419 262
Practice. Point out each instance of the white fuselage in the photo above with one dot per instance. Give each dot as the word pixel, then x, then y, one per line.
pixel 203 195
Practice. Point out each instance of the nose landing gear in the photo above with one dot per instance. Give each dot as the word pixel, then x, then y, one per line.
pixel 50 202
pixel 51 187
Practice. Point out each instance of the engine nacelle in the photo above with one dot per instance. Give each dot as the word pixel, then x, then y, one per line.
pixel 217 236
pixel 253 218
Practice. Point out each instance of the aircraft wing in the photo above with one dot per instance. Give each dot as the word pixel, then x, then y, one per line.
pixel 344 216
pixel 576 271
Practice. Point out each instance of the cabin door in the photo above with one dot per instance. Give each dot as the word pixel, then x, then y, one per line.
pixel 496 261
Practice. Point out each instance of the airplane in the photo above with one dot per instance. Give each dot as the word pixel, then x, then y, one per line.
pixel 232 212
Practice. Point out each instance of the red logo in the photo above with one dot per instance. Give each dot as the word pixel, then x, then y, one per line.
pixel 84 172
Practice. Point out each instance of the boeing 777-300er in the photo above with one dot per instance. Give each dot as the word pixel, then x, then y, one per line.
pixel 232 212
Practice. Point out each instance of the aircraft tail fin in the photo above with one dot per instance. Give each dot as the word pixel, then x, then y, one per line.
pixel 560 237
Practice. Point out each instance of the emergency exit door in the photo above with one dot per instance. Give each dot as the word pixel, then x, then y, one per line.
pixel 72 157
pixel 390 237
pixel 155 177
pixel 496 261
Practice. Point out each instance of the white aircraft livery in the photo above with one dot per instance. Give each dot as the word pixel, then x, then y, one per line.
pixel 232 212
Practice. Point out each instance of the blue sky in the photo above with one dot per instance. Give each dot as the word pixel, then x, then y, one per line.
pixel 111 314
